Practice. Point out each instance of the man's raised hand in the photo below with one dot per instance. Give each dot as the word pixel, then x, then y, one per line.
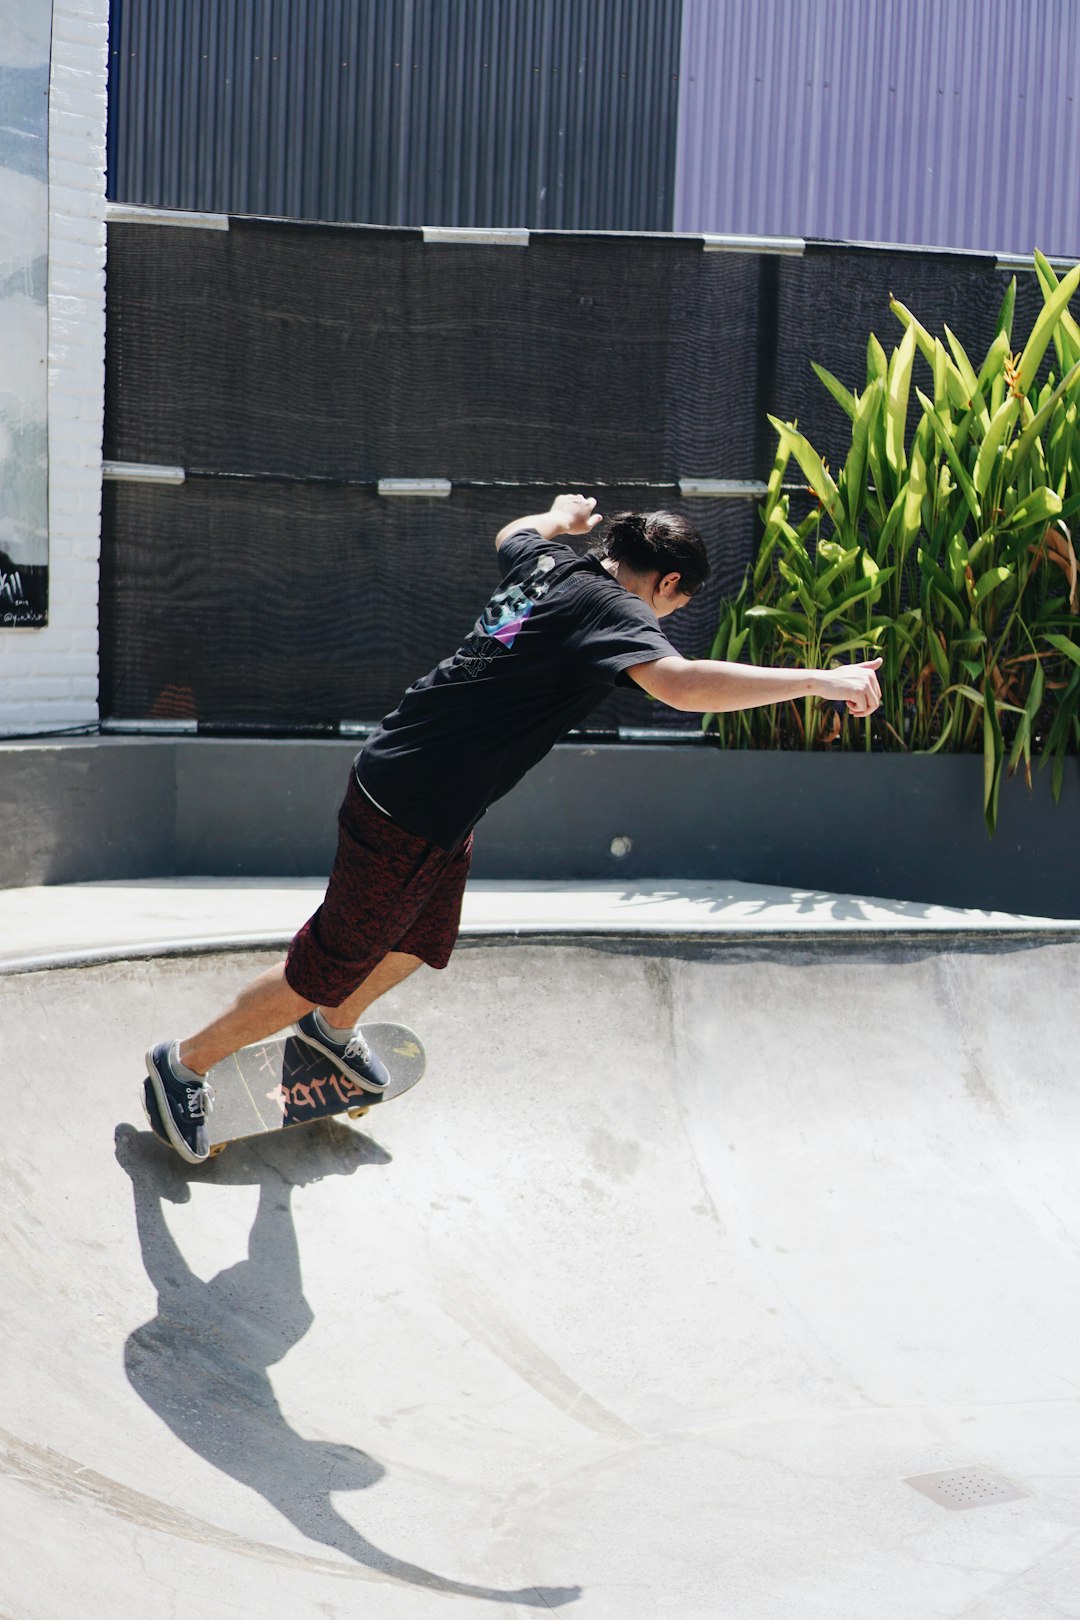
pixel 576 513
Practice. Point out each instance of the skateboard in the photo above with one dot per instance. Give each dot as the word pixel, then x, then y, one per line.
pixel 274 1085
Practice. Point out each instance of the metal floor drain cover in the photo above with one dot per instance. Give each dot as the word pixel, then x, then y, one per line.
pixel 967 1487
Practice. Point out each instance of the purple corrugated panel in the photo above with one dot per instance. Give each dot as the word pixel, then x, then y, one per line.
pixel 952 123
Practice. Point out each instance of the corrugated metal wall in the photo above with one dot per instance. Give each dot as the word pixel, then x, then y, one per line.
pixel 947 122
pixel 542 113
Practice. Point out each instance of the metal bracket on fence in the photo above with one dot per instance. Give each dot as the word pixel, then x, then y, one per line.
pixel 131 214
pixel 141 472
pixel 439 487
pixel 466 236
pixel 152 728
pixel 729 489
pixel 792 246
pixel 1020 261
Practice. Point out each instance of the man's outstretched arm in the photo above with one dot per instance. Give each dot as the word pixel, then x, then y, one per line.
pixel 569 514
pixel 712 686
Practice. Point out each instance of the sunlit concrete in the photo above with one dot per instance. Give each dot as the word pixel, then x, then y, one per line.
pixel 79 922
pixel 684 1258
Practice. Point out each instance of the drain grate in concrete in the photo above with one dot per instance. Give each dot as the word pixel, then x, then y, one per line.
pixel 967 1487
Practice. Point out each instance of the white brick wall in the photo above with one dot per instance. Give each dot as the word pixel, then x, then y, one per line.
pixel 49 677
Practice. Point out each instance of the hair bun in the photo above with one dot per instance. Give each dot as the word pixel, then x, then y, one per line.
pixel 656 540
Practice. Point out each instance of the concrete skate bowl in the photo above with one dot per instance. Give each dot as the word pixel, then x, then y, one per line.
pixel 651 1300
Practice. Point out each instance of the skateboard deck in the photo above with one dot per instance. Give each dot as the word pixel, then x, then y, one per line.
pixel 274 1085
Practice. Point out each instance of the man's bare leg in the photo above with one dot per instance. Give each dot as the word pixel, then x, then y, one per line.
pixel 269 1004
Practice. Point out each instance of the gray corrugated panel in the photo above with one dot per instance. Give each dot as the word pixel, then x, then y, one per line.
pixel 547 113
pixel 946 122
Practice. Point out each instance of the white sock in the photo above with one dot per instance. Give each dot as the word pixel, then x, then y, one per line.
pixel 181 1069
pixel 341 1036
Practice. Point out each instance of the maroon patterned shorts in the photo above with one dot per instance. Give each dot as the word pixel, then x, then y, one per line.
pixel 388 891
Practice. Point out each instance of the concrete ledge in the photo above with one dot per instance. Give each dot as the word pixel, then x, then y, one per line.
pixel 75 925
pixel 910 827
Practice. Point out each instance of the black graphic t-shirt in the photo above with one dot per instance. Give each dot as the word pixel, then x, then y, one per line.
pixel 551 643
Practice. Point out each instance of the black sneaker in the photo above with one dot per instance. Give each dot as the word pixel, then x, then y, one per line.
pixel 353 1057
pixel 153 1112
pixel 181 1105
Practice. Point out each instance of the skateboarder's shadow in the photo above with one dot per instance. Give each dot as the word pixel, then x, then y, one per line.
pixel 201 1363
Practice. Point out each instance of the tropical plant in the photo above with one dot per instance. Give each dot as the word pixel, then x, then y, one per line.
pixel 943 544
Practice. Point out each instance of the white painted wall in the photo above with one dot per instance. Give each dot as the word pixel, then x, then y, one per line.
pixel 49 677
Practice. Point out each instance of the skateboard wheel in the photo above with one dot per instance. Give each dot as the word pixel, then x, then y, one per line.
pixel 357 1113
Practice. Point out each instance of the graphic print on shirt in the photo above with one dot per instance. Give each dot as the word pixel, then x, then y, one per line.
pixel 502 619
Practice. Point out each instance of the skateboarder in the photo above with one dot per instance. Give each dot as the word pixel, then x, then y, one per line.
pixel 558 634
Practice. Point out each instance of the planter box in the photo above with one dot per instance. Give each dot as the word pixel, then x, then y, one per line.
pixel 906 827
pixel 900 827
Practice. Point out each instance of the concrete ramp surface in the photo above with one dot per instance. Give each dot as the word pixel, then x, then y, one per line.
pixel 650 1301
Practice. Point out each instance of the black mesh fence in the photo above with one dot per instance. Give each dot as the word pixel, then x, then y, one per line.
pixel 286 368
pixel 245 604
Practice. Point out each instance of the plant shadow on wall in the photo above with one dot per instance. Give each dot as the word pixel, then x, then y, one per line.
pixel 202 1363
pixel 944 545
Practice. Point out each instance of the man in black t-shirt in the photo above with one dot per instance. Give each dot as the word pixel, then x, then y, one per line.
pixel 558 634
pixel 548 648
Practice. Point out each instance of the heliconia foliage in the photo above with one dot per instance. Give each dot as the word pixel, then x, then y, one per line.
pixel 944 544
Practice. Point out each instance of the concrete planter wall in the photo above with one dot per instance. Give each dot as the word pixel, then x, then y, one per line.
pixel 907 828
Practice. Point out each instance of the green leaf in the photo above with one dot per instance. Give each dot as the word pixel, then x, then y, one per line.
pixel 959 472
pixel 813 469
pixel 1021 745
pixel 1039 507
pixel 916 490
pixel 957 558
pixel 896 402
pixel 787 621
pixel 775 488
pixel 825 582
pixel 853 478
pixel 963 364
pixel 959 396
pixel 1005 313
pixel 993 366
pixel 831 551
pixel 876 364
pixel 867 644
pixel 795 567
pixel 990 581
pixel 1067 328
pixel 863 587
pixel 938 658
pixel 1064 644
pixel 843 396
pixel 1064 720
pixel 1001 424
pixel 935 577
pixel 993 759
pixel 943 367
pixel 946 731
pixel 1023 444
pixel 1042 331
pixel 910 324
